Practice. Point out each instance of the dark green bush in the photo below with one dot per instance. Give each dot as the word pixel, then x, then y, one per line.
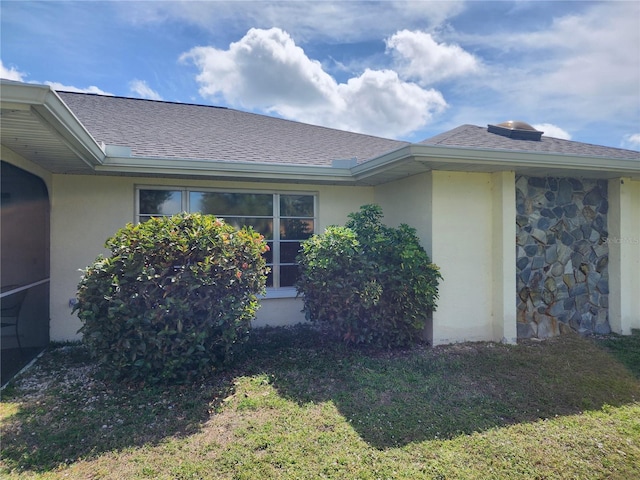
pixel 370 283
pixel 174 299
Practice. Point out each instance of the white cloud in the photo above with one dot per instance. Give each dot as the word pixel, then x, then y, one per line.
pixel 584 65
pixel 420 57
pixel 67 88
pixel 140 88
pixel 266 70
pixel 631 141
pixel 380 103
pixel 262 70
pixel 331 21
pixel 551 130
pixel 11 73
pixel 598 54
pixel 14 74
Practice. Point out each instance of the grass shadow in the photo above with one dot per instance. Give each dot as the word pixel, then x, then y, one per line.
pixel 62 413
pixel 626 349
pixel 395 398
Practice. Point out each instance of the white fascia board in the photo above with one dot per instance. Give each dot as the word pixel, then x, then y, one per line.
pixel 24 94
pixel 45 103
pixel 222 169
pixel 382 163
pixel 71 129
pixel 512 160
pixel 500 159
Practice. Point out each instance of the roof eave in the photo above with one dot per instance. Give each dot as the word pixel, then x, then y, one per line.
pixel 432 157
pixel 212 169
pixel 45 104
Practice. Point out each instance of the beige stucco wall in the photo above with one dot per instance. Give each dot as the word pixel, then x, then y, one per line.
pixel 462 219
pixel 465 221
pixel 503 257
pixel 86 210
pixel 408 201
pixel 624 255
pixel 634 266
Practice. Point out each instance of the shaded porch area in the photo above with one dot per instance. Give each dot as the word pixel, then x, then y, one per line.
pixel 24 275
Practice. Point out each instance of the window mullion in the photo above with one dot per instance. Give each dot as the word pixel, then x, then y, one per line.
pixel 276 240
pixel 137 206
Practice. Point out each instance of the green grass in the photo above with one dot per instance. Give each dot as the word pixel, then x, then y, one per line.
pixel 625 348
pixel 298 406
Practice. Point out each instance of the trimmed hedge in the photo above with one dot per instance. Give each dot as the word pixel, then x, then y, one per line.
pixel 371 284
pixel 174 299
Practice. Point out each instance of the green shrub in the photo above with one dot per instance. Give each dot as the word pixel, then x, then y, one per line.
pixel 370 283
pixel 174 299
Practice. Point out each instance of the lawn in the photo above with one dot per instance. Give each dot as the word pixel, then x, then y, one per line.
pixel 298 406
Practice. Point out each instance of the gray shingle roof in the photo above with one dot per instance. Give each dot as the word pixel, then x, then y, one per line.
pixel 473 136
pixel 185 131
pixel 158 129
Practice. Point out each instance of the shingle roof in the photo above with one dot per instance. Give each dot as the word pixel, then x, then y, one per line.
pixel 473 136
pixel 158 129
pixel 185 131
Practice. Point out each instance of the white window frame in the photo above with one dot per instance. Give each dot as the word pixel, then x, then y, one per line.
pixel 276 291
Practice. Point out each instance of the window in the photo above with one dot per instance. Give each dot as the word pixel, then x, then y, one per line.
pixel 285 219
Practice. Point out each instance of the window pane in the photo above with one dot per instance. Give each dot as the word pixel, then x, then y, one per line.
pixel 296 205
pixel 224 203
pixel 268 255
pixel 288 275
pixel 160 202
pixel 263 226
pixel 270 279
pixel 289 251
pixel 296 222
pixel 295 228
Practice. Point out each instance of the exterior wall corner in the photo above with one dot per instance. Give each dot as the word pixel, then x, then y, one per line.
pixel 504 258
pixel 624 255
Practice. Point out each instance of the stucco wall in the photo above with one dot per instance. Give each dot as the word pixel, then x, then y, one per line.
pixel 634 255
pixel 634 261
pixel 624 255
pixel 461 218
pixel 465 221
pixel 461 246
pixel 86 210
pixel 408 201
pixel 504 262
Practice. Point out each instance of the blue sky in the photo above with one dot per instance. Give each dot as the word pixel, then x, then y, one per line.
pixel 397 69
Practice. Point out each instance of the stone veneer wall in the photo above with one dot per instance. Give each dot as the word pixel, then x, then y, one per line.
pixel 562 256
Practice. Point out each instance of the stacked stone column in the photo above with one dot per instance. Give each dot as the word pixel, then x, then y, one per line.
pixel 562 256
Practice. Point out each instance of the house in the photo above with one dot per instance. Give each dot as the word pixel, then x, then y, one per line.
pixel 534 235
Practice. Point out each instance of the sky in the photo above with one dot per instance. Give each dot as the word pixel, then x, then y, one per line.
pixel 407 70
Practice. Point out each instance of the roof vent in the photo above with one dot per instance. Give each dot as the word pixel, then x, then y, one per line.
pixel 516 130
pixel 116 150
pixel 344 162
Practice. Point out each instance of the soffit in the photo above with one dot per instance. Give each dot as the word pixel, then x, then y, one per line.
pixel 26 130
